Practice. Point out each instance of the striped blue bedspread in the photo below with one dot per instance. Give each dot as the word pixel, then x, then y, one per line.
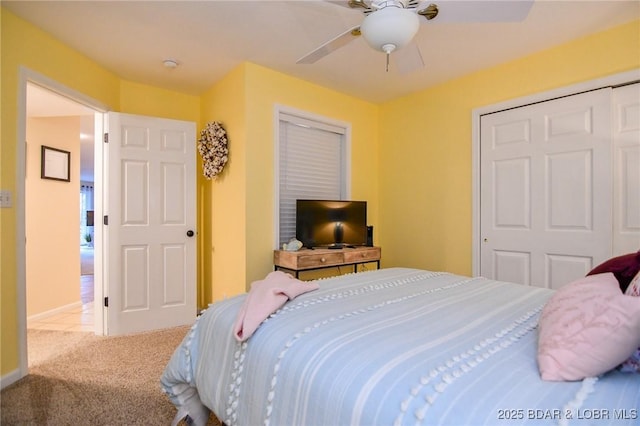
pixel 393 346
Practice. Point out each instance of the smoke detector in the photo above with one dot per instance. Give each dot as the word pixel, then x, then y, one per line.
pixel 170 63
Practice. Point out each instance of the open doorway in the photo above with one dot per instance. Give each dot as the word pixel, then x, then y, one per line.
pixel 60 240
pixel 49 217
pixel 87 237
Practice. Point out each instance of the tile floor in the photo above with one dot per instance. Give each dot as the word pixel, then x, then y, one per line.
pixel 76 319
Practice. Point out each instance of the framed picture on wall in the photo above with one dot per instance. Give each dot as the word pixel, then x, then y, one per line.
pixel 55 164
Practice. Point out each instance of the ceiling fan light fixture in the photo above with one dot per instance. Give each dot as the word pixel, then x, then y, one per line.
pixel 390 26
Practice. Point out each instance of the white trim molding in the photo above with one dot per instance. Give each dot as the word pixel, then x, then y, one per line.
pixel 27 76
pixel 53 312
pixel 10 378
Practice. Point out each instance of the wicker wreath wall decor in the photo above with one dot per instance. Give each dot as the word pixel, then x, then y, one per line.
pixel 213 148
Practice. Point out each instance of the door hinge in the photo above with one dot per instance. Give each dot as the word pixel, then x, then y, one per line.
pixel 106 302
pixel 105 220
pixel 106 138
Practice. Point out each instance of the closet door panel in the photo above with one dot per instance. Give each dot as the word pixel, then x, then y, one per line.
pixel 626 191
pixel 545 196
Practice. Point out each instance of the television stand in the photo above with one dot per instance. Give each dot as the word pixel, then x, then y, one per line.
pixel 321 258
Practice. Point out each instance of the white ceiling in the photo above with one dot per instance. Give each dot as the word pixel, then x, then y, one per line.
pixel 209 38
pixel 45 103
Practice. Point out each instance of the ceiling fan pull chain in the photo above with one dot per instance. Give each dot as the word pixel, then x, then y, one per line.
pixel 388 48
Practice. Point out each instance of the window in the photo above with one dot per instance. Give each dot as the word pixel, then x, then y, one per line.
pixel 312 156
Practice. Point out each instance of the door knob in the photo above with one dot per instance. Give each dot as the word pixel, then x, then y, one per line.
pixel 190 233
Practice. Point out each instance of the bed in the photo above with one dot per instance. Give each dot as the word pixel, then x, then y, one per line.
pixel 393 346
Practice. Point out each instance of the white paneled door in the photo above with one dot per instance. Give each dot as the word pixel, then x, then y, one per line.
pixel 546 190
pixel 626 169
pixel 150 262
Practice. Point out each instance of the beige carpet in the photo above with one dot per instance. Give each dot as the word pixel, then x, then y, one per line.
pixel 78 378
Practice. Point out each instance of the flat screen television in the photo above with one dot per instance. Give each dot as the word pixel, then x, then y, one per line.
pixel 331 223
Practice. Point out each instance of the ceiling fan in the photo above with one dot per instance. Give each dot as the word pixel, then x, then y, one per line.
pixel 390 25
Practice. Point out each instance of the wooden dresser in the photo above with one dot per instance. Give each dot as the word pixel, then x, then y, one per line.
pixel 306 259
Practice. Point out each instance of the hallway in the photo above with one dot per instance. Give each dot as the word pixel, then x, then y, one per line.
pixel 79 318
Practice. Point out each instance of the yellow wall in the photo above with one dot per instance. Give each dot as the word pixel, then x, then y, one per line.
pixel 136 98
pixel 224 199
pixel 266 88
pixel 52 218
pixel 241 199
pixel 419 220
pixel 425 184
pixel 23 45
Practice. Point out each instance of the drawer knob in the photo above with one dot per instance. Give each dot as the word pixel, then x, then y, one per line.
pixel 323 260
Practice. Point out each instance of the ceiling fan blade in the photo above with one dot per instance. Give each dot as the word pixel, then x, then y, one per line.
pixel 408 59
pixel 351 4
pixel 468 11
pixel 330 46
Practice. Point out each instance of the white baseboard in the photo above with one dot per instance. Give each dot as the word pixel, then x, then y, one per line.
pixel 10 378
pixel 55 311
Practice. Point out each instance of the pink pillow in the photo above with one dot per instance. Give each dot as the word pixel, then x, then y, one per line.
pixel 587 328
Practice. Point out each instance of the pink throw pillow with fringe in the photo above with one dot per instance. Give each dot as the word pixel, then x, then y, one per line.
pixel 587 328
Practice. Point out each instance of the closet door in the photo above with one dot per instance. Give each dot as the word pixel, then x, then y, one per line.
pixel 545 190
pixel 626 169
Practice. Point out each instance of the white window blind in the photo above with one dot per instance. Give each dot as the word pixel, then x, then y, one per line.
pixel 311 166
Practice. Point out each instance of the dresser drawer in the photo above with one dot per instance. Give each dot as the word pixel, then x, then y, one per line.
pixel 362 255
pixel 320 259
